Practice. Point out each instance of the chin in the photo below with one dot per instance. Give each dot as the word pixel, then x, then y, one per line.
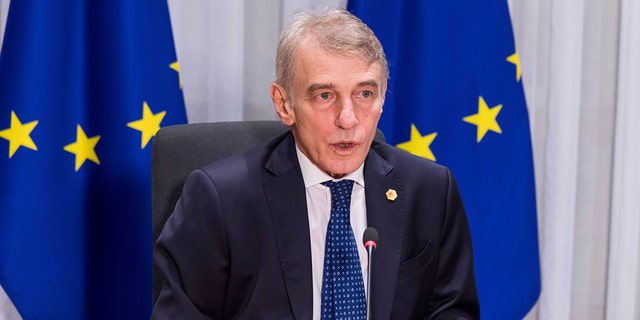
pixel 338 172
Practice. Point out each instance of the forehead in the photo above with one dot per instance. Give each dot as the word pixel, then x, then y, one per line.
pixel 315 64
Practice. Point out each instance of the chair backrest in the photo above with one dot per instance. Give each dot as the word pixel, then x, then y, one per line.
pixel 180 149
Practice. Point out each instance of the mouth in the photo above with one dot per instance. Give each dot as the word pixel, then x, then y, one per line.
pixel 344 146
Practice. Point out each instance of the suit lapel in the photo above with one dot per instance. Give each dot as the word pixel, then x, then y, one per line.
pixel 388 217
pixel 285 191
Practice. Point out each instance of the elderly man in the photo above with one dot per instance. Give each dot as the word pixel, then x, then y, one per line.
pixel 274 233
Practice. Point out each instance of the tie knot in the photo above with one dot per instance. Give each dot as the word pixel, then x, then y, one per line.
pixel 340 193
pixel 339 187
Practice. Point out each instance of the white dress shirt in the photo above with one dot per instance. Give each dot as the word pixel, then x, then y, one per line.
pixel 319 212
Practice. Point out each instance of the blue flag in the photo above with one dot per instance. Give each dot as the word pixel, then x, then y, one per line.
pixel 455 96
pixel 84 86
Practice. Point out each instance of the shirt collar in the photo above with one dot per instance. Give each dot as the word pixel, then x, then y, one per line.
pixel 312 175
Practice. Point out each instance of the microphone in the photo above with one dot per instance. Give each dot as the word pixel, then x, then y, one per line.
pixel 370 240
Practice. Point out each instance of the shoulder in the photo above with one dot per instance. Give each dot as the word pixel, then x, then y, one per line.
pixel 247 165
pixel 405 164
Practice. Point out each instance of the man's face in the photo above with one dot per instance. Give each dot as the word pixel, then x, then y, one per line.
pixel 337 102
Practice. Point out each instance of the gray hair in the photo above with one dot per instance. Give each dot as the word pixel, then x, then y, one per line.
pixel 337 31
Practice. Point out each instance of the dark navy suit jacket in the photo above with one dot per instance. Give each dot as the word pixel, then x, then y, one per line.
pixel 237 245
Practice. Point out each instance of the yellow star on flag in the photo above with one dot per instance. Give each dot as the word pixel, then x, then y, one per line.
pixel 418 144
pixel 148 125
pixel 485 119
pixel 515 59
pixel 83 148
pixel 18 134
pixel 176 66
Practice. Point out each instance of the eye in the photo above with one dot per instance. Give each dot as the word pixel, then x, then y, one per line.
pixel 324 96
pixel 366 94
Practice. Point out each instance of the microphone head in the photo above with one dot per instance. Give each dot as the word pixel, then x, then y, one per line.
pixel 370 237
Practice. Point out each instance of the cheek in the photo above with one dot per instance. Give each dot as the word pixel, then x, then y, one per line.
pixel 370 115
pixel 318 124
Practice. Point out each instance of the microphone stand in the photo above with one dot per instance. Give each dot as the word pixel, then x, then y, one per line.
pixel 369 254
pixel 370 239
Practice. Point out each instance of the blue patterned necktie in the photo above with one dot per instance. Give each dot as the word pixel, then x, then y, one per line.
pixel 342 285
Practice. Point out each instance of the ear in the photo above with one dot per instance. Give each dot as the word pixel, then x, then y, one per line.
pixel 282 105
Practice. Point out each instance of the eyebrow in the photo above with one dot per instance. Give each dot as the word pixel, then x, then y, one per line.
pixel 371 83
pixel 318 86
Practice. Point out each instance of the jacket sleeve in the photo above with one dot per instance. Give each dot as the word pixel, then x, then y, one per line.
pixel 455 295
pixel 192 255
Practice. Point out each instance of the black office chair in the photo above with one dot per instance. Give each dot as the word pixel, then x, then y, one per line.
pixel 180 149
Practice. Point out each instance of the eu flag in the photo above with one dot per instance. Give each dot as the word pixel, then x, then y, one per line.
pixel 84 86
pixel 455 96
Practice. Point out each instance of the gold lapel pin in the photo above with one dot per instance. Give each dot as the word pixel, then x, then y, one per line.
pixel 392 195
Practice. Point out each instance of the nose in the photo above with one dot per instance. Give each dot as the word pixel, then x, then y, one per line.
pixel 347 116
